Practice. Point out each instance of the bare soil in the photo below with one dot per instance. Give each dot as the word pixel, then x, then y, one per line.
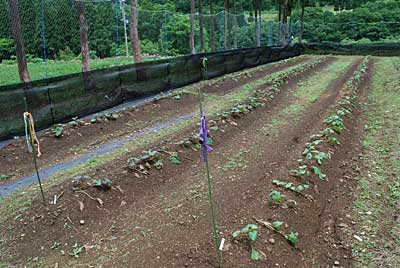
pixel 162 219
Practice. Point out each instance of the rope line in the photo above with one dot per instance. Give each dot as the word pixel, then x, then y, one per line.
pixel 30 134
pixel 31 140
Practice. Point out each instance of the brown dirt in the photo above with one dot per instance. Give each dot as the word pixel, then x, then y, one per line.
pixel 162 220
pixel 230 83
pixel 16 161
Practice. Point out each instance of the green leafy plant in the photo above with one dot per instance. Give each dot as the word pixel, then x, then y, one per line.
pixel 382 150
pixel 335 122
pixel 223 115
pixel 333 141
pixel 174 158
pixel 301 171
pixel 4 177
pixel 159 164
pixel 343 111
pixel 327 131
pixel 103 184
pixel 313 99
pixel 56 245
pixel 77 250
pixel 57 130
pixel 276 196
pixel 395 191
pixel 255 102
pixel 316 136
pixel 277 224
pixel 293 238
pixel 321 156
pixel 290 186
pixel 317 171
pixel 145 161
pixel 344 102
pixel 76 122
pixel 112 116
pixel 251 231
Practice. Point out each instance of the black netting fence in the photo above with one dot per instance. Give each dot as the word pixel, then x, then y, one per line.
pixel 374 49
pixel 50 31
pixel 59 99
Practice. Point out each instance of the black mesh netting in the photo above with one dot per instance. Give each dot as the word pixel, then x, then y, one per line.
pixel 56 100
pixel 373 49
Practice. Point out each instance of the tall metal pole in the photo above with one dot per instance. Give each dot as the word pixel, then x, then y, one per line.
pixel 125 32
pixel 116 23
pixel 44 39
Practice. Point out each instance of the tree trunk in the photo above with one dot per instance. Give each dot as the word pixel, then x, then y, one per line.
pixel 235 45
pixel 284 22
pixel 191 36
pixel 137 53
pixel 202 48
pixel 212 26
pixel 83 31
pixel 303 5
pixel 19 42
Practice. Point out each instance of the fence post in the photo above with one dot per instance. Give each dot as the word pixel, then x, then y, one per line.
pixel 116 23
pixel 165 30
pixel 270 34
pixel 44 40
pixel 125 32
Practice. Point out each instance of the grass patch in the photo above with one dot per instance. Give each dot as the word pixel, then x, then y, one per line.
pixel 313 87
pixel 378 185
pixel 9 72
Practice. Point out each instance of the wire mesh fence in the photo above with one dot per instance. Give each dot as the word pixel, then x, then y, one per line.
pixel 51 33
pixel 62 98
pixel 50 30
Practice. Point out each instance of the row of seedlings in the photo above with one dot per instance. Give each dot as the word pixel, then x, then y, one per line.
pixel 313 155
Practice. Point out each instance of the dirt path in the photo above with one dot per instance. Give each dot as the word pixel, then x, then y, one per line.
pixel 83 137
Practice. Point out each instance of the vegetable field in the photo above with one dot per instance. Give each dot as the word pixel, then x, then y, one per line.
pixel 304 172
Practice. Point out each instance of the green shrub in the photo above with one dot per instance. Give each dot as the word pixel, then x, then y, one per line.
pixel 66 54
pixel 6 49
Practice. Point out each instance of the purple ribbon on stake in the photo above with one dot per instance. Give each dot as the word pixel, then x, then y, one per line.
pixel 203 135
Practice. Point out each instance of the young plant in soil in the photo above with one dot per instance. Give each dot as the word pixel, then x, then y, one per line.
pixel 317 171
pixel 290 186
pixel 77 250
pixel 174 158
pixel 301 172
pixel 276 197
pixel 292 237
pixel 112 116
pixel 145 161
pixel 102 184
pixel 251 232
pixel 76 122
pixel 57 130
